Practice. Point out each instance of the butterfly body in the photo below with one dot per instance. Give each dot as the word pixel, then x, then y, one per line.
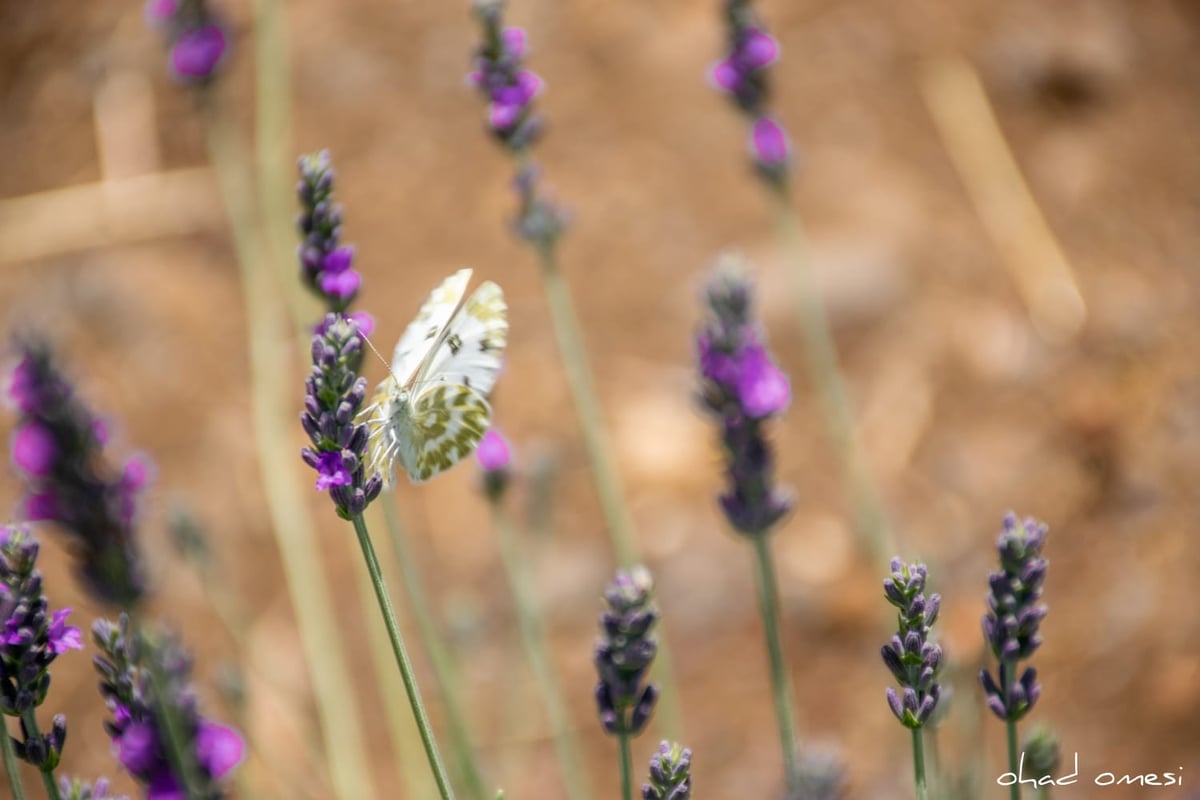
pixel 432 410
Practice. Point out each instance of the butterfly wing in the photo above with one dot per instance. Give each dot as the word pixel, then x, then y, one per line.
pixel 421 335
pixel 446 423
pixel 469 351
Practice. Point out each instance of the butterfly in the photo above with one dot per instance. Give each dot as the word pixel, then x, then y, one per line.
pixel 432 410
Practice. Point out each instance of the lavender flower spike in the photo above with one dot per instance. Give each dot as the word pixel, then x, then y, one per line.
pixel 326 265
pixel 495 459
pixel 913 660
pixel 30 640
pixel 624 654
pixel 670 774
pixel 334 394
pixel 58 446
pixel 742 388
pixel 498 73
pixel 1014 615
pixel 158 734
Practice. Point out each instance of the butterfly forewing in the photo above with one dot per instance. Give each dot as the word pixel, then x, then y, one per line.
pixel 421 335
pixel 469 350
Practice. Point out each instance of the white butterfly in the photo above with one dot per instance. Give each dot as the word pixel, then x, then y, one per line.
pixel 431 411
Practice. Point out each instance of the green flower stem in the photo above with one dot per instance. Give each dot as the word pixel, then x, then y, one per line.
pixel 1014 791
pixel 10 764
pixel 271 380
pixel 919 764
pixel 402 661
pixel 31 725
pixel 870 519
pixel 533 636
pixel 440 658
pixel 768 605
pixel 604 472
pixel 626 767
pixel 400 725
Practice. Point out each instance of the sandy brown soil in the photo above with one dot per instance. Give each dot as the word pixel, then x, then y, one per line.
pixel 966 410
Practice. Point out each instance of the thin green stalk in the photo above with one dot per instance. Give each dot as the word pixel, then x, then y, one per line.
pixel 1014 791
pixel 10 764
pixel 30 719
pixel 604 472
pixel 440 657
pixel 626 767
pixel 402 661
pixel 919 764
pixel 768 605
pixel 271 378
pixel 870 519
pixel 533 635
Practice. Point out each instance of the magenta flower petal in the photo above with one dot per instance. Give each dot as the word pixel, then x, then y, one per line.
pixel 725 76
pixel 514 41
pixel 339 260
pixel 34 449
pixel 218 749
pixel 341 285
pixel 759 50
pixel 529 83
pixel 493 452
pixel 769 142
pixel 502 116
pixel 331 471
pixel 41 506
pixel 64 637
pixel 163 786
pixel 161 11
pixel 364 321
pixel 762 386
pixel 137 748
pixel 196 53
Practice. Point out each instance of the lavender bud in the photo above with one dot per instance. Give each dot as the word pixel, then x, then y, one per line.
pixel 913 660
pixel 670 774
pixel 624 654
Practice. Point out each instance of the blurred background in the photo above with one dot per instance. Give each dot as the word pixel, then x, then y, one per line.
pixel 975 391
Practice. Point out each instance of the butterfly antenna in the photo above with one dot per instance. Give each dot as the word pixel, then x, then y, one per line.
pixel 378 355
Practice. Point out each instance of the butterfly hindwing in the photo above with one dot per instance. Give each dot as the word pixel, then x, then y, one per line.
pixel 421 335
pixel 447 422
pixel 469 351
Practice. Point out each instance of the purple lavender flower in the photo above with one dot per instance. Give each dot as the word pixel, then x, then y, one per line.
pixel 742 388
pixel 146 686
pixel 334 394
pixel 670 773
pixel 29 644
pixel 624 654
pixel 742 74
pixel 326 266
pixel 913 660
pixel 196 39
pixel 510 89
pixel 58 447
pixel 494 457
pixel 1014 614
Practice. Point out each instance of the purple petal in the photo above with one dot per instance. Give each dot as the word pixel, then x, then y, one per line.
pixel 196 53
pixel 63 637
pixel 493 451
pixel 725 76
pixel 341 285
pixel 514 41
pixel 137 748
pixel 160 11
pixel 163 786
pixel 758 49
pixel 218 749
pixel 769 142
pixel 364 321
pixel 331 472
pixel 41 506
pixel 339 260
pixel 502 116
pixel 34 449
pixel 762 386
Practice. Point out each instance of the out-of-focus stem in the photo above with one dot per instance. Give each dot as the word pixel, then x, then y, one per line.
pixel 440 658
pixel 402 660
pixel 533 636
pixel 870 520
pixel 1008 672
pixel 626 766
pixel 10 764
pixel 768 606
pixel 919 764
pixel 271 379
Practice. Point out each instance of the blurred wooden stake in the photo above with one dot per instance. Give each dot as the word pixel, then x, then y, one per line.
pixel 132 202
pixel 968 126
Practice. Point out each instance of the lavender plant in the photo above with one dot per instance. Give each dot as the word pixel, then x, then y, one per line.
pixel 670 773
pixel 30 641
pixel 58 446
pixel 1010 627
pixel 913 660
pixel 158 733
pixel 75 789
pixel 742 389
pixel 744 77
pixel 623 657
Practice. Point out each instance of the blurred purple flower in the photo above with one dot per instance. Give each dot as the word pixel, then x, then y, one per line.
pixel 493 451
pixel 196 53
pixel 769 144
pixel 33 449
pixel 326 265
